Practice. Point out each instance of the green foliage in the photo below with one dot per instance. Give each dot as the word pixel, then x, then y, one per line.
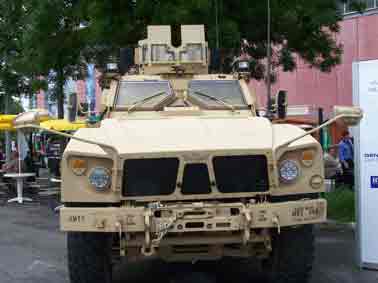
pixel 40 36
pixel 341 205
pixel 12 82
pixel 301 27
pixel 15 107
pixel 53 42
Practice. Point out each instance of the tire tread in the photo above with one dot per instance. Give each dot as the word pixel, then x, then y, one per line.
pixel 89 257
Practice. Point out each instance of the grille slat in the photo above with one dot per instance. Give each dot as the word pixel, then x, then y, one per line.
pixel 241 174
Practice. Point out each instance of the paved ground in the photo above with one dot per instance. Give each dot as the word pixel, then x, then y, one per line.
pixel 33 250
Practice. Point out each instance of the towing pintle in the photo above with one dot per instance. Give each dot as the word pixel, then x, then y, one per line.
pixel 157 55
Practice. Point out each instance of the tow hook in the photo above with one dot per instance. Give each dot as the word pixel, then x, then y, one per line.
pixel 247 226
pixel 122 246
pixel 146 249
pixel 151 243
pixel 276 221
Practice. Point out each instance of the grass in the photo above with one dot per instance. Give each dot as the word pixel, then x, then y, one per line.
pixel 341 205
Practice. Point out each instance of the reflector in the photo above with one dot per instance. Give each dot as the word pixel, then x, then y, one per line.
pixel 78 166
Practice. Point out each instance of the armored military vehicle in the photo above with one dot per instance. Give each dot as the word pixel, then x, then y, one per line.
pixel 182 168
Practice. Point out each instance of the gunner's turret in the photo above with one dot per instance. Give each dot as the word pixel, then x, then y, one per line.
pixel 156 54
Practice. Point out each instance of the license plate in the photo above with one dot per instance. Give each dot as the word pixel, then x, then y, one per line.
pixel 308 212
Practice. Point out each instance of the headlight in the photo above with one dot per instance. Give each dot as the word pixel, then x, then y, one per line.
pixel 289 170
pixel 100 178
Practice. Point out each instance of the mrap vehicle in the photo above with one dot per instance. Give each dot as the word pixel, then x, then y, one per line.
pixel 183 168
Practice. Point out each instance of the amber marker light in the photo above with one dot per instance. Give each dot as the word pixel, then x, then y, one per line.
pixel 78 166
pixel 308 157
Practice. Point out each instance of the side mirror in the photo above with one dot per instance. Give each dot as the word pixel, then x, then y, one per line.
pixel 126 59
pixel 282 104
pixel 215 60
pixel 351 115
pixel 31 118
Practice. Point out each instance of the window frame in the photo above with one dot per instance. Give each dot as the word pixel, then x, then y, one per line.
pixel 158 106
pixel 193 99
pixel 345 5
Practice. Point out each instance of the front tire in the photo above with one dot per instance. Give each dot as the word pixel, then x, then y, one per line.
pixel 89 257
pixel 293 255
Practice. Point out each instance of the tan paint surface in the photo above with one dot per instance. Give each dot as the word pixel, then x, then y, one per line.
pixel 191 134
pixel 132 218
pixel 178 134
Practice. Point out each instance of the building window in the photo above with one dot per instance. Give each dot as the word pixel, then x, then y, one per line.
pixel 371 4
pixel 348 7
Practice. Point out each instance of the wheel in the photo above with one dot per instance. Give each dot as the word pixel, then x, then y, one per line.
pixel 89 257
pixel 292 256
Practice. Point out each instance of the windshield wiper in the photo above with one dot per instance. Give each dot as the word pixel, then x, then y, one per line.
pixel 144 100
pixel 219 100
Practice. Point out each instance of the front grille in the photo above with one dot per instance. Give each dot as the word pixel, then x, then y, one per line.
pixel 196 180
pixel 150 177
pixel 241 174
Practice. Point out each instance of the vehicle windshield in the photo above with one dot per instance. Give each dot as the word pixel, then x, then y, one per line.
pixel 133 92
pixel 210 93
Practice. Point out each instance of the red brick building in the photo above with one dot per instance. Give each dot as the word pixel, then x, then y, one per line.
pixel 359 36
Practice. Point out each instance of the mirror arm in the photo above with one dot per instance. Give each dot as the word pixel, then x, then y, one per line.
pixel 329 122
pixel 104 146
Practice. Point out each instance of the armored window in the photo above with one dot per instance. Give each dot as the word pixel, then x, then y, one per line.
pixel 216 93
pixel 147 94
pixel 161 53
pixel 192 53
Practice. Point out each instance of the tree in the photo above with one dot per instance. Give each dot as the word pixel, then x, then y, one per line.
pixel 15 76
pixel 299 27
pixel 10 25
pixel 12 82
pixel 58 36
pixel 53 43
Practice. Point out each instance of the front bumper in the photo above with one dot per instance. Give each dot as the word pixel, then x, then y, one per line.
pixel 195 217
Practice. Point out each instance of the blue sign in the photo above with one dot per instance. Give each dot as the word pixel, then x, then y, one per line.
pixel 374 182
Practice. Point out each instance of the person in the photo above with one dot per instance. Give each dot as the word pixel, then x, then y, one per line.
pixel 54 153
pixel 12 165
pixel 2 155
pixel 346 155
pixel 332 166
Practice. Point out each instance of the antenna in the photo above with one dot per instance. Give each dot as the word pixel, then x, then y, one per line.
pixel 217 23
pixel 269 63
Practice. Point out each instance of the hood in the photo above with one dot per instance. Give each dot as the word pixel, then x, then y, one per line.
pixel 179 134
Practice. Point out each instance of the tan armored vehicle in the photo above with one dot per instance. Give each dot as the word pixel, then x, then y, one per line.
pixel 183 169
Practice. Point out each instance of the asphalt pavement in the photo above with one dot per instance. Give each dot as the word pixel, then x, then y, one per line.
pixel 33 250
